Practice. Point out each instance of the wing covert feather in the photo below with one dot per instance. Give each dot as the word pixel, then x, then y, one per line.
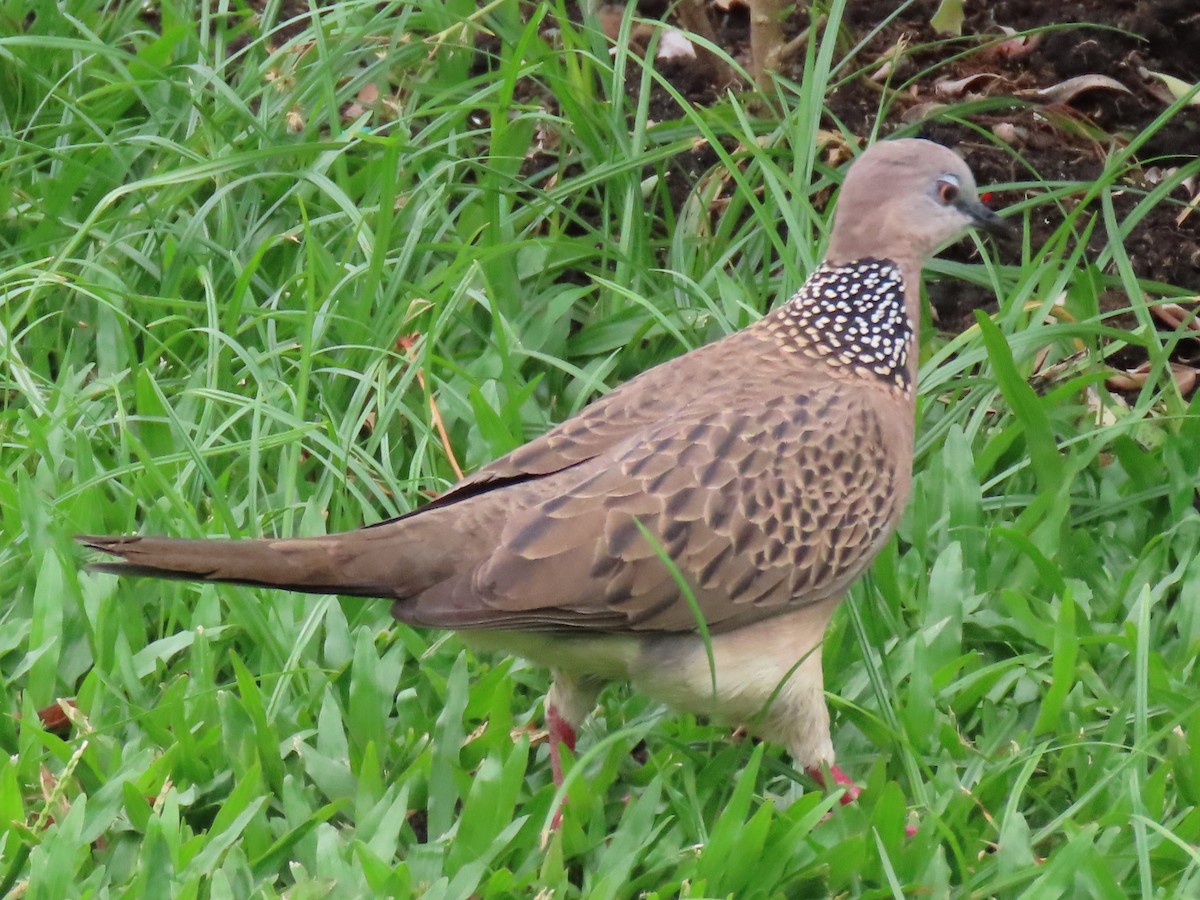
pixel 762 509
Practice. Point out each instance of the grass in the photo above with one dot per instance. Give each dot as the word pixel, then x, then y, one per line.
pixel 230 303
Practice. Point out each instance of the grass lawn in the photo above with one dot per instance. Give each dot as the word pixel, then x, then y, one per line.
pixel 264 281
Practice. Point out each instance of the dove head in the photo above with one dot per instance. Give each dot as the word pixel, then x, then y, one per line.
pixel 904 199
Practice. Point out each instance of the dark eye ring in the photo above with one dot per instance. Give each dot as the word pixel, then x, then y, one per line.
pixel 947 190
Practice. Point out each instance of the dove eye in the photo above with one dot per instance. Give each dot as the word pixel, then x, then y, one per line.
pixel 947 189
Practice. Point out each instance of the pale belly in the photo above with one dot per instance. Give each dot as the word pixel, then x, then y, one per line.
pixel 766 676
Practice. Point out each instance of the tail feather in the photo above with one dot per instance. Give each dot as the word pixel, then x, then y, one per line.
pixel 338 564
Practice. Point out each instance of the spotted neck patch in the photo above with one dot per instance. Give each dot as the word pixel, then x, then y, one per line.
pixel 850 315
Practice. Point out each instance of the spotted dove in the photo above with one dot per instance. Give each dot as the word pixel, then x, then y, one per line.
pixel 769 466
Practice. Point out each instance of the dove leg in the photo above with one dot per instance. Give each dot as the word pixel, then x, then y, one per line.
pixel 837 778
pixel 568 703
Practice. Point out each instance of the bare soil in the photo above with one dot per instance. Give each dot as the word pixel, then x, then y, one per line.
pixel 1066 141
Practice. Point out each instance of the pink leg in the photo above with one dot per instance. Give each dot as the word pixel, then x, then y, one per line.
pixel 840 779
pixel 561 733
